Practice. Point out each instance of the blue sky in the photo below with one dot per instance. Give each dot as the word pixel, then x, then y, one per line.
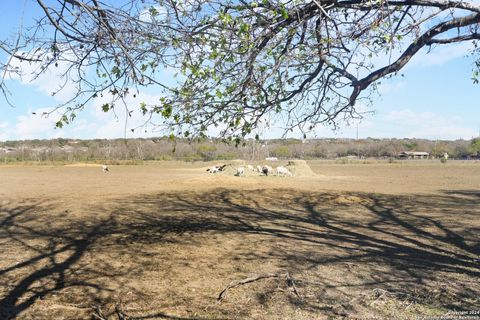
pixel 436 99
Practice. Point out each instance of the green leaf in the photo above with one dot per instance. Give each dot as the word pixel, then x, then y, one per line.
pixel 213 55
pixel 167 111
pixel 244 27
pixel 284 12
pixel 116 71
pixel 143 108
pixel 153 11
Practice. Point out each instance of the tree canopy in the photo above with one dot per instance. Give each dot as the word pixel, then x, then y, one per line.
pixel 237 64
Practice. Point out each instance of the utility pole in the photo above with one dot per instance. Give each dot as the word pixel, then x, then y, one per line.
pixel 358 145
pixel 253 150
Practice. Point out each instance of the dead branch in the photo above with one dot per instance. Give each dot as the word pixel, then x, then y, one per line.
pixel 98 314
pixel 285 276
pixel 242 65
pixel 120 314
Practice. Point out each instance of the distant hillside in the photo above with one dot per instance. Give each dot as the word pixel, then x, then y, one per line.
pixel 163 148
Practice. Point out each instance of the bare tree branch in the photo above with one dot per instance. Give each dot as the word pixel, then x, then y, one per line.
pixel 239 65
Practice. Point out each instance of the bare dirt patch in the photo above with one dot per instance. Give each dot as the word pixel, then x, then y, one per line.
pixel 163 241
pixel 82 165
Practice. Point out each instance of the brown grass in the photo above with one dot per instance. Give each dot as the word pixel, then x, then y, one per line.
pixel 163 243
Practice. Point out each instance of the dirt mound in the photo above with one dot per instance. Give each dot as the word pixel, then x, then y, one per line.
pixel 300 168
pixel 230 169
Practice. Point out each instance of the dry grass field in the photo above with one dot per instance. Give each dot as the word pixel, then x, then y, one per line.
pixel 161 241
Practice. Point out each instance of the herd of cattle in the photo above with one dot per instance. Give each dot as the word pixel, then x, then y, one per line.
pixel 263 170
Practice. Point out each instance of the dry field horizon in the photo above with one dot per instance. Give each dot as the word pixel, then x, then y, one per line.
pixel 161 241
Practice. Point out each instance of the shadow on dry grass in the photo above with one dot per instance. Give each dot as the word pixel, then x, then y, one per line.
pixel 169 254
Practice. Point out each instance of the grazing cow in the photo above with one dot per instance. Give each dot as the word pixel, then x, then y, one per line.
pixel 266 170
pixel 217 168
pixel 105 168
pixel 259 169
pixel 240 171
pixel 213 169
pixel 250 168
pixel 284 172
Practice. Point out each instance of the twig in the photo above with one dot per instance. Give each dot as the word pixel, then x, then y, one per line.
pixel 121 315
pixel 322 9
pixel 291 283
pixel 98 314
pixel 381 294
pixel 236 283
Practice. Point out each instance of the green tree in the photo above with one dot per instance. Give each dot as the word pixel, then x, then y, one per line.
pixel 475 146
pixel 240 64
pixel 207 152
pixel 282 152
pixel 410 145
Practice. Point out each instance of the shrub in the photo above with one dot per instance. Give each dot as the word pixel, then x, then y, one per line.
pixel 207 152
pixel 282 152
pixel 227 156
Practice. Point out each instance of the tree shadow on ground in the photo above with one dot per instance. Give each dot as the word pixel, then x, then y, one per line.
pixel 350 253
pixel 45 257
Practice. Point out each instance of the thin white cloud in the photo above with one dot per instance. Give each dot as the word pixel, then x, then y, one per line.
pixel 437 55
pixel 428 125
pixel 391 86
pixel 112 125
pixel 440 55
pixel 36 124
pixel 51 81
pixel 90 123
pixel 153 13
pixel 410 117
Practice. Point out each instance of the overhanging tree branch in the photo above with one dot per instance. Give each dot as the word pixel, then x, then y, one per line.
pixel 239 65
pixel 425 39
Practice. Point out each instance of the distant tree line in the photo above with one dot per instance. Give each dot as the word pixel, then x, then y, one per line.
pixel 206 149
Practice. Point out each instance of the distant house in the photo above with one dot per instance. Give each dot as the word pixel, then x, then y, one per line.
pixel 271 158
pixel 413 155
